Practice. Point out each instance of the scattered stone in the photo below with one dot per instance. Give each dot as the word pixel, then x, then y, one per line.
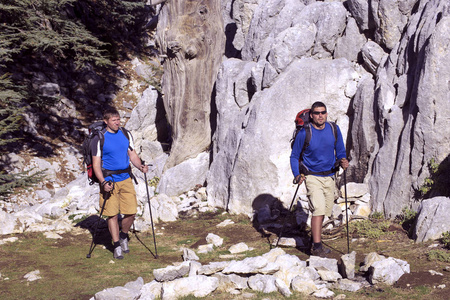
pixel 324 293
pixel 329 276
pixel 348 285
pixel 369 260
pixel 232 282
pixel 238 248
pixel 213 267
pixel 216 240
pixel 347 265
pixel 306 287
pixel 329 264
pixel 432 272
pixel 151 290
pixel 289 242
pixel 387 271
pixel 205 248
pixel 171 272
pixel 9 240
pixel 262 283
pixel 32 276
pixel 199 286
pixel 52 235
pixel 189 254
pixel 225 223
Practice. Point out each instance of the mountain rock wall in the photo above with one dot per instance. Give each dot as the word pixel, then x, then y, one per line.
pixel 378 65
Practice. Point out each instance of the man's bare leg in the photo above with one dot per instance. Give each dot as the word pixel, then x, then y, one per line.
pixel 127 222
pixel 316 228
pixel 113 226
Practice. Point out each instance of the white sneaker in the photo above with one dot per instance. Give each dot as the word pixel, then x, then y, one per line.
pixel 124 245
pixel 118 253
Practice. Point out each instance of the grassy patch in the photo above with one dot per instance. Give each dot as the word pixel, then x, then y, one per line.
pixel 369 229
pixel 439 254
pixel 446 239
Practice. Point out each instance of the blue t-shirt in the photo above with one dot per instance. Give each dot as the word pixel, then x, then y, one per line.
pixel 115 153
pixel 321 154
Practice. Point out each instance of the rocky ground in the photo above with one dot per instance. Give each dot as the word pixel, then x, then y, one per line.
pixel 56 259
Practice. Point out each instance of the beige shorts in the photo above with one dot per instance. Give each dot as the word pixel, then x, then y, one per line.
pixel 122 200
pixel 320 194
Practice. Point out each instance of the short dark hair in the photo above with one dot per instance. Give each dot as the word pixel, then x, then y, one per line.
pixel 110 112
pixel 318 104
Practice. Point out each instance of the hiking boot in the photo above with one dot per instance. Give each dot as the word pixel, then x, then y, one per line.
pixel 321 251
pixel 124 245
pixel 118 253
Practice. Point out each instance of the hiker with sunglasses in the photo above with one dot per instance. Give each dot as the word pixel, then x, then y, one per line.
pixel 316 166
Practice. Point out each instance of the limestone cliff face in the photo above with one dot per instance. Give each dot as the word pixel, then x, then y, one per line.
pixel 190 36
pixel 380 66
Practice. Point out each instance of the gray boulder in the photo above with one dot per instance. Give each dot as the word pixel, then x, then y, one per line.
pixel 432 219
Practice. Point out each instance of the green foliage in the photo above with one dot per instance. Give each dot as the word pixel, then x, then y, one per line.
pixel 439 254
pixel 23 180
pixel 154 182
pixel 10 112
pixel 369 229
pixel 446 239
pixel 438 183
pixel 377 215
pixel 44 27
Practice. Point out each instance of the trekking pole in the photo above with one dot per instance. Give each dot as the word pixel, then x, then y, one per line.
pixel 284 222
pixel 150 209
pixel 346 209
pixel 92 247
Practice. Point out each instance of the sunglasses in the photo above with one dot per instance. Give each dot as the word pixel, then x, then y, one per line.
pixel 319 112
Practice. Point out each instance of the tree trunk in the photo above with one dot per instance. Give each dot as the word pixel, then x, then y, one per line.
pixel 190 36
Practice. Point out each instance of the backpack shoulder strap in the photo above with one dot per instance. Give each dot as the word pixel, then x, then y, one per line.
pixel 127 134
pixel 308 134
pixel 334 129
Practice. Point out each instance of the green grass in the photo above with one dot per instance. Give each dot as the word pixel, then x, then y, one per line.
pixel 369 229
pixel 439 254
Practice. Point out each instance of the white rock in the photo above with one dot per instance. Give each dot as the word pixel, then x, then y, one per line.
pixel 216 240
pixel 348 285
pixel 52 235
pixel 205 248
pixel 306 287
pixel 262 283
pixel 330 276
pixel 324 293
pixel 329 264
pixel 387 271
pixel 189 254
pixel 171 272
pixel 213 268
pixel 32 276
pixel 238 248
pixel 250 265
pixel 225 223
pixel 199 286
pixel 9 240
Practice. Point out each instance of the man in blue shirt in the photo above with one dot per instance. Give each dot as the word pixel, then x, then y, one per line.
pixel 111 163
pixel 315 166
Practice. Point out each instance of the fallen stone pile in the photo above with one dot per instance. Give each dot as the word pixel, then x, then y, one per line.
pixel 274 271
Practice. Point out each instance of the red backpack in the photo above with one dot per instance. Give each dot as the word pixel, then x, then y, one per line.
pixel 302 120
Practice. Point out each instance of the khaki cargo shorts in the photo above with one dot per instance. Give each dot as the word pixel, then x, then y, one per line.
pixel 320 192
pixel 122 200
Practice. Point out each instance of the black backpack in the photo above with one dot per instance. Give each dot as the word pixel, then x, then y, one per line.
pixel 98 129
pixel 302 120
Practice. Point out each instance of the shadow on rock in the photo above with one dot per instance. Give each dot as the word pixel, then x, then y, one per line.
pixel 274 221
